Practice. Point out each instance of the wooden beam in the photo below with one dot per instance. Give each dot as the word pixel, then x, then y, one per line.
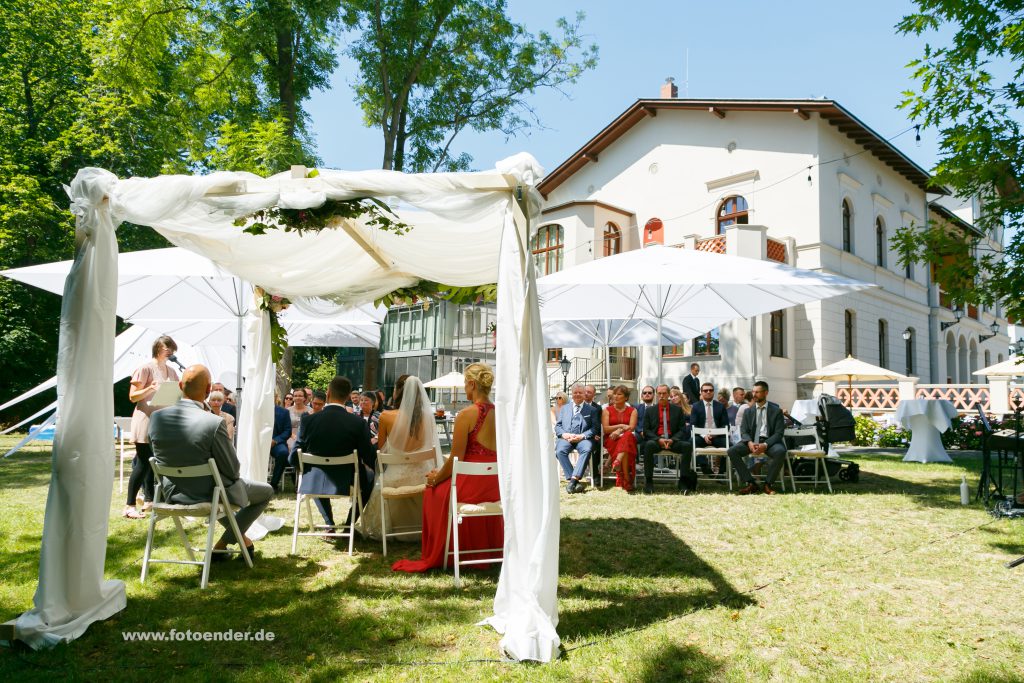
pixel 359 238
pixel 590 156
pixel 802 114
pixel 651 111
pixel 717 112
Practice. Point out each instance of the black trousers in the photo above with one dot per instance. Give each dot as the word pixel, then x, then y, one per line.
pixel 776 455
pixel 683 448
pixel 142 474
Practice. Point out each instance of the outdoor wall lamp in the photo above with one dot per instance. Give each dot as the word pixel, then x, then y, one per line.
pixel 1017 347
pixel 907 334
pixel 958 312
pixel 995 330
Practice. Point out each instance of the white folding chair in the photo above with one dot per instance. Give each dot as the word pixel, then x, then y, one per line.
pixel 700 448
pixel 460 511
pixel 124 433
pixel 394 492
pixel 354 497
pixel 217 507
pixel 818 455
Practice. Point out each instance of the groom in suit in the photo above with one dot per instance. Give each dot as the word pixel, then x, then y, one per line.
pixel 335 432
pixel 187 434
pixel 761 434
pixel 575 429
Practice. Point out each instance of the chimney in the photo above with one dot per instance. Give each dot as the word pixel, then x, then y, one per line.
pixel 668 89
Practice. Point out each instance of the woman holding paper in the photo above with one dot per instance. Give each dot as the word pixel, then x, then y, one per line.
pixel 145 381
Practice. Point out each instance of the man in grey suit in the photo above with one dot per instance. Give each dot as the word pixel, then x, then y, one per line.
pixel 761 433
pixel 187 434
pixel 575 429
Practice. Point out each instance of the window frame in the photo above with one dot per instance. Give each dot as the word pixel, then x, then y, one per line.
pixel 551 248
pixel 612 239
pixel 850 332
pixel 736 217
pixel 777 333
pixel 846 209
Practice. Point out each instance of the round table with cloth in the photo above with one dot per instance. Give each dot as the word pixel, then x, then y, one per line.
pixel 927 418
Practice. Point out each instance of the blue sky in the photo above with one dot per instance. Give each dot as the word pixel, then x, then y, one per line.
pixel 737 48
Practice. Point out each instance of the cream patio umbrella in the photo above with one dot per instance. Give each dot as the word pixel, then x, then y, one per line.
pixel 453 380
pixel 1011 367
pixel 852 369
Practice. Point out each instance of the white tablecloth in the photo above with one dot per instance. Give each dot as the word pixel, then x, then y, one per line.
pixel 927 418
pixel 804 410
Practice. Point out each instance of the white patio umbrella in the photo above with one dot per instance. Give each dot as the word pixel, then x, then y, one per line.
pixel 693 290
pixel 851 369
pixel 453 380
pixel 1011 367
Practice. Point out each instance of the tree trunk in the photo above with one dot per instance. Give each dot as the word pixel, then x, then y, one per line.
pixel 286 78
pixel 284 372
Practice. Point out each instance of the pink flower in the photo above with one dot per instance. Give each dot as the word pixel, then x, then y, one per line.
pixel 302 215
pixel 276 298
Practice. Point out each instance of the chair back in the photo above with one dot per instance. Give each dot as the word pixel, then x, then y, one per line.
pixel 124 427
pixel 326 460
pixel 805 430
pixel 474 469
pixel 188 472
pixel 709 431
pixel 385 458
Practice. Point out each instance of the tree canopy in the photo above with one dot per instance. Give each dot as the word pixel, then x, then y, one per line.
pixel 971 90
pixel 432 69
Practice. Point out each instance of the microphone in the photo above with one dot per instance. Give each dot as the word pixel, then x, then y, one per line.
pixel 174 359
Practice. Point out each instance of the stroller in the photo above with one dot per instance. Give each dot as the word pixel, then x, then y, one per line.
pixel 835 424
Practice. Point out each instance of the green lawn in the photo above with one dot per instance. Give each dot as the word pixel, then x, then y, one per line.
pixel 889 579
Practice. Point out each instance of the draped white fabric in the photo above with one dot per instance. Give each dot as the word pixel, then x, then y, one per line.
pixel 464 233
pixel 257 398
pixel 72 592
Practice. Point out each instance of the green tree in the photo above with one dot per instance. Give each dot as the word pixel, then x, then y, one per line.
pixel 429 70
pixel 971 89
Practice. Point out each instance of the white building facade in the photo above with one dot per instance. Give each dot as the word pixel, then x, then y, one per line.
pixel 799 181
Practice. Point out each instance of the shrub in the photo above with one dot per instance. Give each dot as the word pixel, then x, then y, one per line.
pixel 893 436
pixel 864 431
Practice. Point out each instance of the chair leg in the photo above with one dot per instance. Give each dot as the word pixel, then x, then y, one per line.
pixel 149 547
pixel 447 541
pixel 353 502
pixel 455 539
pixel 233 523
pixel 828 479
pixel 295 523
pixel 184 539
pixel 383 524
pixel 208 557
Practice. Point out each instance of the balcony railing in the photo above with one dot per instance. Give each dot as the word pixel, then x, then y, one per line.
pixel 963 396
pixel 870 398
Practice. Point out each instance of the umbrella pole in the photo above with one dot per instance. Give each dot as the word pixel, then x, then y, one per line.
pixel 849 388
pixel 607 369
pixel 238 367
pixel 659 350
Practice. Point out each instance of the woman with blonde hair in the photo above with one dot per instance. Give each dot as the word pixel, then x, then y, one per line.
pixel 474 439
pixel 560 400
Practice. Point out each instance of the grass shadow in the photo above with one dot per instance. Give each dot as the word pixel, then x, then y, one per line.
pixel 655 576
pixel 679 663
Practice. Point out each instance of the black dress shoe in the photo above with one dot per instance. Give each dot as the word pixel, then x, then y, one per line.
pixel 571 486
pixel 687 492
pixel 222 556
pixel 648 489
pixel 252 553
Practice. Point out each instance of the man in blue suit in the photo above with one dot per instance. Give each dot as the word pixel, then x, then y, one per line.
pixel 575 429
pixel 279 444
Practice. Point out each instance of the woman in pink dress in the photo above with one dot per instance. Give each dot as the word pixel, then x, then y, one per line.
pixel 474 439
pixel 618 422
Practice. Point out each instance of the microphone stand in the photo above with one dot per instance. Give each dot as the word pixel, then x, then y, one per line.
pixel 1017 414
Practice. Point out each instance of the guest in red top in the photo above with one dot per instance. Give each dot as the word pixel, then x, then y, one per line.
pixel 618 422
pixel 474 439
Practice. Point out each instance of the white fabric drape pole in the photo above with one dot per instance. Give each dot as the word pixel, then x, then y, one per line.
pixel 526 600
pixel 256 415
pixel 72 592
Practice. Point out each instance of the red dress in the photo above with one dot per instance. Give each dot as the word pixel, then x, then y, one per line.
pixel 625 444
pixel 482 532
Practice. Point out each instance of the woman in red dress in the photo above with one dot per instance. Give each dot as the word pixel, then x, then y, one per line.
pixel 474 439
pixel 618 422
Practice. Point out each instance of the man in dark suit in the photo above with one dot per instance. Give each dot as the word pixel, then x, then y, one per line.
pixel 335 432
pixel 691 384
pixel 666 429
pixel 279 444
pixel 185 434
pixel 575 429
pixel 646 403
pixel 699 418
pixel 761 433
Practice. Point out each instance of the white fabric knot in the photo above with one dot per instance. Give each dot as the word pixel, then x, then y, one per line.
pixel 89 189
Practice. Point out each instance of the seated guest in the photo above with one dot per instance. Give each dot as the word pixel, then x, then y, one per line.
pixel 666 429
pixel 699 418
pixel 287 402
pixel 279 444
pixel 229 404
pixel 299 407
pixel 738 399
pixel 185 434
pixel 474 439
pixel 382 404
pixel 575 429
pixel 608 396
pixel 723 397
pixel 334 432
pixel 560 400
pixel 216 403
pixel 646 401
pixel 761 434
pixel 367 401
pixel 319 400
pixel 618 422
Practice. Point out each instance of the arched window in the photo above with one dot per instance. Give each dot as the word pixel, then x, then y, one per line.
pixel 950 358
pixel 732 211
pixel 849 331
pixel 988 359
pixel 847 226
pixel 654 232
pixel 880 246
pixel 612 239
pixel 546 248
pixel 883 343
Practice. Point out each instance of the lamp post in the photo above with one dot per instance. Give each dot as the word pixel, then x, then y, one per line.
pixel 908 335
pixel 958 312
pixel 565 364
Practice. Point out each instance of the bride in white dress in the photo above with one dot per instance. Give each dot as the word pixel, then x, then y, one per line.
pixel 407 430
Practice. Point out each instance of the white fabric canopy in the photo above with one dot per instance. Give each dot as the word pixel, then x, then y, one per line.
pixel 611 332
pixel 1011 367
pixel 465 232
